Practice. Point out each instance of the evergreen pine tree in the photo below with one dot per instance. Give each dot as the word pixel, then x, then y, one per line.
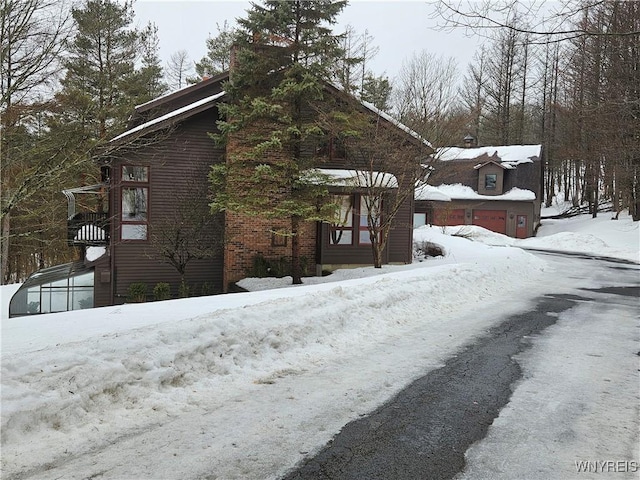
pixel 218 51
pixel 377 91
pixel 101 85
pixel 285 49
pixel 150 73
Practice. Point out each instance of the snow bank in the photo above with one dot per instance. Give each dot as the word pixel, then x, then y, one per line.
pixel 192 388
pixel 96 381
pixel 601 236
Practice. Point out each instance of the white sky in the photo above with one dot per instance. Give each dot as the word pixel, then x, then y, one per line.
pixel 398 28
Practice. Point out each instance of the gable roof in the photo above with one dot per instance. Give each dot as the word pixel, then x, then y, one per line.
pixel 159 113
pixel 181 92
pixel 395 122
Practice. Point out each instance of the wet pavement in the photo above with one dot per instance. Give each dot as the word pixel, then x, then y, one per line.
pixel 424 431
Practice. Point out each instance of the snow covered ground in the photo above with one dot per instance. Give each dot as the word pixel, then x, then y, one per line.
pixel 246 385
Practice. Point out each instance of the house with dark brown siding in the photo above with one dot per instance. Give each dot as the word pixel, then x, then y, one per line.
pixel 495 187
pixel 157 170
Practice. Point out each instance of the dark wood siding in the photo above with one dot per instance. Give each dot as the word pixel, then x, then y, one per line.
pixel 454 171
pixel 525 176
pixel 101 281
pixel 178 162
pixel 401 237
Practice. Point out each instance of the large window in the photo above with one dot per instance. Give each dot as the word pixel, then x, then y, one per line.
pixel 369 208
pixel 351 222
pixel 341 229
pixel 135 201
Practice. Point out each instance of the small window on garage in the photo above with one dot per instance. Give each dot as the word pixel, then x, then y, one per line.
pixel 490 181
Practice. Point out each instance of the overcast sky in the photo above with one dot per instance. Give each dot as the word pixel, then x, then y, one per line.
pixel 398 28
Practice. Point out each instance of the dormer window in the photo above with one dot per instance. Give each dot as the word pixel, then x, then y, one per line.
pixel 490 178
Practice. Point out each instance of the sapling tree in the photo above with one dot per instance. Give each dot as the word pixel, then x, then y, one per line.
pixel 186 233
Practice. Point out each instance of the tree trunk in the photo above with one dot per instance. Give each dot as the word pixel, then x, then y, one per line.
pixel 551 192
pixel 634 207
pixel 296 272
pixel 4 236
pixel 377 254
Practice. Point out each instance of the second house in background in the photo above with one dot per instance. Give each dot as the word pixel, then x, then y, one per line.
pixel 495 187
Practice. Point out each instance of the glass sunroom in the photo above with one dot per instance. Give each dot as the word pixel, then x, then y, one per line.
pixel 54 289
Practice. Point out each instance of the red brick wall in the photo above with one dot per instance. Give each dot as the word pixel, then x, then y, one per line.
pixel 249 236
pixel 246 237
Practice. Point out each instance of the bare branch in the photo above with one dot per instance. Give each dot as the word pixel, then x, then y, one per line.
pixel 547 25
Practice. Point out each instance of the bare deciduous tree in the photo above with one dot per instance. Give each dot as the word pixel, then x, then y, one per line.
pixel 426 98
pixel 390 164
pixel 187 232
pixel 554 22
pixel 178 69
pixel 586 99
pixel 32 35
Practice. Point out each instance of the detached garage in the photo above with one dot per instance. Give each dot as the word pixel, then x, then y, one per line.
pixel 494 187
pixel 447 205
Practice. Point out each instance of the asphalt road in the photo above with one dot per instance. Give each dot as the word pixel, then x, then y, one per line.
pixel 424 431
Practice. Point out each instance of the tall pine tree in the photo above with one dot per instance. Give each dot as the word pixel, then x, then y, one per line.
pixel 285 49
pixel 101 84
pixel 218 52
pixel 150 74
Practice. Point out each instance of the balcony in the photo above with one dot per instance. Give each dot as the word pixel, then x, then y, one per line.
pixel 88 229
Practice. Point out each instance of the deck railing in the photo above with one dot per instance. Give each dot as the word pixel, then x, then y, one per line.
pixel 88 228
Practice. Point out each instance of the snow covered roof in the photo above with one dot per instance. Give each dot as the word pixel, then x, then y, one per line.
pixel 446 193
pixel 353 178
pixel 512 155
pixel 186 110
pixel 503 165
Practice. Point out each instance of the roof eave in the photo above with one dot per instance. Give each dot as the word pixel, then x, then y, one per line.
pixel 156 102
